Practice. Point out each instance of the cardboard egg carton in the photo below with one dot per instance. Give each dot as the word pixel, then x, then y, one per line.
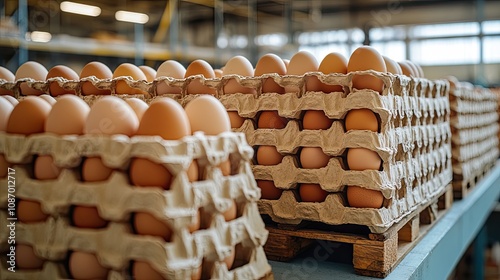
pixel 116 245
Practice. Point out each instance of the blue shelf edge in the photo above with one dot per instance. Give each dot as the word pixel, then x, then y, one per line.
pixel 434 257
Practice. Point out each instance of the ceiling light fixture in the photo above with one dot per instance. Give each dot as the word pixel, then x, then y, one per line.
pixel 40 36
pixel 81 9
pixel 131 17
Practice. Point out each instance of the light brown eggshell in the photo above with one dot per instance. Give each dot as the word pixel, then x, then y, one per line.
pixel 144 271
pixel 149 72
pixel 45 169
pixel 61 71
pixel 83 265
pixel 100 71
pixel 235 119
pixel 316 119
pixel 87 217
pixel 34 70
pixel 407 69
pixel 172 69
pixel 332 63
pixel 361 119
pixel 268 190
pixel 111 115
pixel 363 159
pixel 312 193
pixel 267 64
pixel 94 170
pixel 165 117
pixel 392 66
pixel 26 258
pixel 366 58
pixel 230 213
pixel 206 113
pixel 68 116
pixel 218 73
pixel 313 157
pixel 239 65
pixel 29 211
pixel 5 74
pixel 138 106
pixel 229 260
pixel 147 224
pixel 199 67
pixel 5 109
pixel 28 117
pixel 11 99
pixel 130 70
pixel 51 100
pixel 413 67
pixel 271 119
pixel 419 70
pixel 364 198
pixel 268 155
pixel 139 167
pixel 301 63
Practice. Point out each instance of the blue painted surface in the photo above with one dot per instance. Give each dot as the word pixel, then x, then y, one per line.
pixel 434 257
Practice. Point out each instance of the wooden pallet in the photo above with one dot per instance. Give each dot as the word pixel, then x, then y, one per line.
pixel 462 186
pixel 373 254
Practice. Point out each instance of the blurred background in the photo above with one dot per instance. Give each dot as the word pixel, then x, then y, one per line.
pixel 460 38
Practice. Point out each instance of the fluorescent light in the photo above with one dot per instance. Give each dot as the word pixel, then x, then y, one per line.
pixel 40 36
pixel 131 17
pixel 81 9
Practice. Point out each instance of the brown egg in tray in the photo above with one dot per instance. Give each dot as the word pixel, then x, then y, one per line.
pixel 220 249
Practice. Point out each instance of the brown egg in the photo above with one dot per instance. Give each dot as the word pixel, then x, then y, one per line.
pixel 235 119
pixel 144 271
pixel 5 74
pixel 199 67
pixel 33 70
pixel 111 115
pixel 5 110
pixel 287 62
pixel 271 119
pixel 361 119
pixel 366 58
pixel 407 69
pixel 392 66
pixel 267 64
pixel 166 118
pixel 269 190
pixel 364 198
pixel 147 224
pixel 231 212
pixel 316 119
pixel 94 170
pixel 301 63
pixel 268 155
pixel 11 99
pixel 83 265
pixel 138 106
pixel 45 169
pixel 196 224
pixel 51 100
pixel 332 63
pixel 363 159
pixel 312 193
pixel 100 71
pixel 29 211
pixel 28 117
pixel 313 157
pixel 414 68
pixel 130 70
pixel 149 72
pixel 26 258
pixel 173 69
pixel 88 217
pixel 68 116
pixel 229 260
pixel 218 73
pixel 241 66
pixel 62 72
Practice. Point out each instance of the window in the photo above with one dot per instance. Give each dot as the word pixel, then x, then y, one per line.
pixel 491 52
pixel 393 49
pixel 445 51
pixel 445 30
pixel 491 27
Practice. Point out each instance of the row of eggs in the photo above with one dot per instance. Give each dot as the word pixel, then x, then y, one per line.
pixel 70 115
pixel 363 58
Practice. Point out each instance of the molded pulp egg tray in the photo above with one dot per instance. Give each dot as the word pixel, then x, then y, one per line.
pixel 116 245
pixel 414 141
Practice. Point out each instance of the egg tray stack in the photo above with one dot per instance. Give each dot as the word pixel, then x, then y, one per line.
pixel 475 128
pixel 116 245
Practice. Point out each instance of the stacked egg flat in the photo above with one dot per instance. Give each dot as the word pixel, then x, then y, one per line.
pixel 123 189
pixel 474 122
